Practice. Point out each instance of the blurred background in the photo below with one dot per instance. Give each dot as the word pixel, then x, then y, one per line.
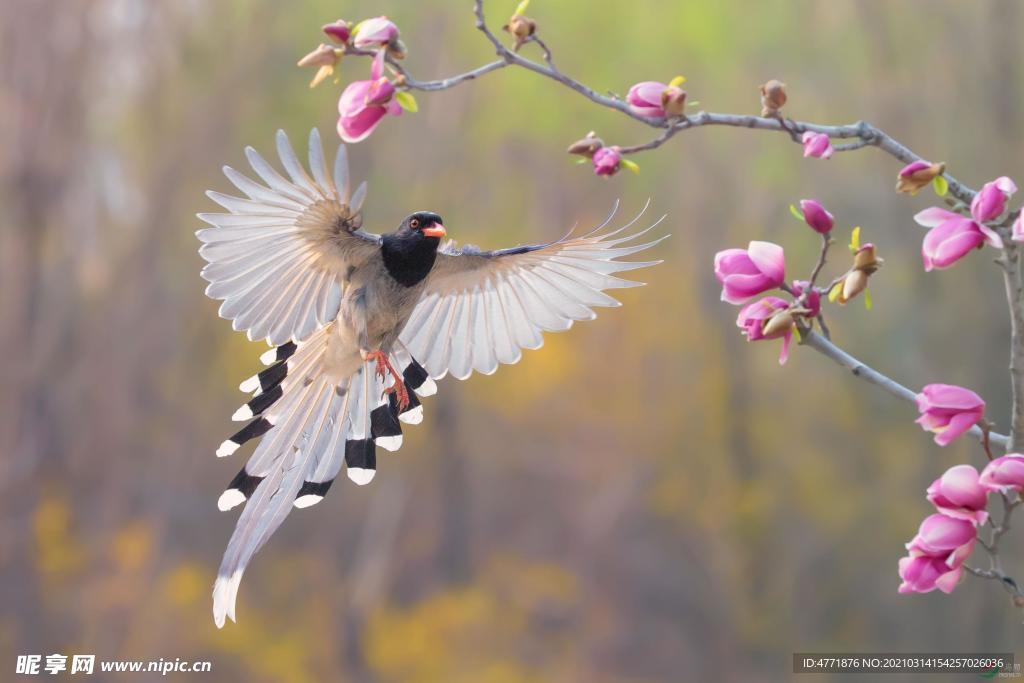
pixel 647 498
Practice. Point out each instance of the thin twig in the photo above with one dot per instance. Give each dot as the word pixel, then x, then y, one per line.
pixel 826 242
pixel 872 376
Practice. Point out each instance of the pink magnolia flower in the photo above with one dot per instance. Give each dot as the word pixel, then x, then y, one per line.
pixel 607 161
pixel 656 100
pixel 816 216
pixel 952 236
pixel 959 494
pixel 946 537
pixel 948 411
pixel 1018 229
pixel 937 555
pixel 745 273
pixel 644 98
pixel 768 318
pixel 990 202
pixel 376 32
pixel 925 574
pixel 363 104
pixel 817 145
pixel 1004 474
pixel 813 299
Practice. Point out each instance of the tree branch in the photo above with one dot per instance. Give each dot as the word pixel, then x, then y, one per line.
pixel 1010 263
pixel 872 376
pixel 862 134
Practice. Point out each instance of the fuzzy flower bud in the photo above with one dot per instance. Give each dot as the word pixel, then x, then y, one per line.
pixel 522 29
pixel 917 175
pixel 339 31
pixel 673 100
pixel 865 263
pixel 773 96
pixel 587 146
pixel 325 58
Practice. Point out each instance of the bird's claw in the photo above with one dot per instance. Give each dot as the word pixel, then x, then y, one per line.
pixel 383 368
pixel 401 394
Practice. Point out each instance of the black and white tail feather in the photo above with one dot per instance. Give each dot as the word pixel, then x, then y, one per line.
pixel 479 309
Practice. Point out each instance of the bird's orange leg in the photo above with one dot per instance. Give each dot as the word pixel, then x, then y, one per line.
pixel 384 368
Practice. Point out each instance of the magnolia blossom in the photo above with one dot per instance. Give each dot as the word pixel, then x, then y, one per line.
pixel 1018 229
pixel 952 236
pixel 1004 474
pixel 813 299
pixel 959 494
pixel 607 161
pixel 768 318
pixel 923 574
pixel 937 554
pixel 745 273
pixel 943 536
pixel 816 216
pixel 364 104
pixel 817 145
pixel 948 411
pixel 376 32
pixel 645 99
pixel 656 100
pixel 990 202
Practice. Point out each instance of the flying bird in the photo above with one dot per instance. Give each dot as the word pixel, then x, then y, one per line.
pixel 361 325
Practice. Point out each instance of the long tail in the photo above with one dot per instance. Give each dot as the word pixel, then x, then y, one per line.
pixel 310 427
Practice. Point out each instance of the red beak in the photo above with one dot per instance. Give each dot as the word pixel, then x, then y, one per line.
pixel 435 230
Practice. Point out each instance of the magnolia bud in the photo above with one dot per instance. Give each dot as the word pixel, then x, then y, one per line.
pixel 866 259
pixel 673 101
pixel 773 96
pixel 339 31
pixel 587 146
pixel 521 28
pixel 779 324
pixel 855 282
pixel 396 48
pixel 865 263
pixel 326 58
pixel 917 175
pixel 324 55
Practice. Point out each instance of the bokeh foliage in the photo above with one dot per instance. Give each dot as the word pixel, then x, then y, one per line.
pixel 647 498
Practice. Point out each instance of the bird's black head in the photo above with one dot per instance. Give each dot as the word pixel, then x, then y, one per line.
pixel 426 223
pixel 410 251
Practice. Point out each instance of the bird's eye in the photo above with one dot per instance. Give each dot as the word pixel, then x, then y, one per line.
pixel 414 223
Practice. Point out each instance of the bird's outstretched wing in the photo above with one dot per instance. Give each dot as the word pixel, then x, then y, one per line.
pixel 278 259
pixel 481 308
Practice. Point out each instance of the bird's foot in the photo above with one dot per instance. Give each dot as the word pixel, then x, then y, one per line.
pixel 383 369
pixel 383 364
pixel 401 394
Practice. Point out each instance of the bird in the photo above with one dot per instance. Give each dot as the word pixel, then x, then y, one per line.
pixel 361 326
